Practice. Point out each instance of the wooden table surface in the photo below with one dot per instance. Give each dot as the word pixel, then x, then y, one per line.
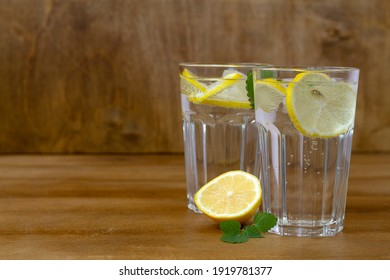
pixel 134 207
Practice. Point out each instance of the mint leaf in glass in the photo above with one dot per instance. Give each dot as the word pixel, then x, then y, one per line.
pixel 250 89
pixel 265 74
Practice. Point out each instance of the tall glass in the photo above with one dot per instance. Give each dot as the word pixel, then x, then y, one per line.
pixel 305 118
pixel 219 127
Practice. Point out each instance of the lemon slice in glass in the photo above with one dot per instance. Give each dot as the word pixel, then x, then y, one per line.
pixel 234 96
pixel 269 93
pixel 229 91
pixel 234 195
pixel 190 85
pixel 319 106
pixel 225 82
pixel 228 103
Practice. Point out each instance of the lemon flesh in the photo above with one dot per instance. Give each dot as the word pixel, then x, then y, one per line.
pixel 234 195
pixel 269 93
pixel 319 106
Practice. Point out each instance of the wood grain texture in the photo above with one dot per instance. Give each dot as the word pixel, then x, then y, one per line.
pixel 88 76
pixel 134 207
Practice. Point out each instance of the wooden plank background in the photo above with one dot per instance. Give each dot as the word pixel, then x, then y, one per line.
pixel 101 76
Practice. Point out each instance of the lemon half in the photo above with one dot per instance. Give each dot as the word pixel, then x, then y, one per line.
pixel 234 195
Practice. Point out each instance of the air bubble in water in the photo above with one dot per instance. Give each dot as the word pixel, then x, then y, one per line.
pixel 314 145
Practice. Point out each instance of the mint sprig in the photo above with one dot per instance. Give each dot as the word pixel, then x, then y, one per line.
pixel 252 231
pixel 250 91
pixel 233 233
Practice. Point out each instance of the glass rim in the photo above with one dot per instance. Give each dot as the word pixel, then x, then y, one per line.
pixel 293 68
pixel 223 65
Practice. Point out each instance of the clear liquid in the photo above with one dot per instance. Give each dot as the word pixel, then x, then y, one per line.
pixel 217 140
pixel 304 179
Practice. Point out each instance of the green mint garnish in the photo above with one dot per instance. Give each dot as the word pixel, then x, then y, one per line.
pixel 230 227
pixel 250 89
pixel 264 221
pixel 268 74
pixel 232 232
pixel 234 238
pixel 252 231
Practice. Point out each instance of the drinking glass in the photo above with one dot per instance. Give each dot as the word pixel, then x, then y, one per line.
pixel 305 118
pixel 219 126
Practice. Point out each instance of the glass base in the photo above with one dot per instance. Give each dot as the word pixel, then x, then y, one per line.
pixel 304 228
pixel 191 204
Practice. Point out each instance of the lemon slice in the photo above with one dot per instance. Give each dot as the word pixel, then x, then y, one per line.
pixel 190 85
pixel 234 195
pixel 269 93
pixel 226 82
pixel 233 97
pixel 319 106
pixel 229 92
pixel 228 103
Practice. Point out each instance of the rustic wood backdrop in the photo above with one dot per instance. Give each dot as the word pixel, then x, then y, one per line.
pixel 101 76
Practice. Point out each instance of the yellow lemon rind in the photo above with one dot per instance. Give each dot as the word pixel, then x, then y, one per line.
pixel 191 79
pixel 227 104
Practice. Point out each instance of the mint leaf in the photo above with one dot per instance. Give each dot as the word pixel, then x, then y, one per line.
pixel 234 238
pixel 250 89
pixel 230 227
pixel 264 221
pixel 232 232
pixel 268 74
pixel 252 231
